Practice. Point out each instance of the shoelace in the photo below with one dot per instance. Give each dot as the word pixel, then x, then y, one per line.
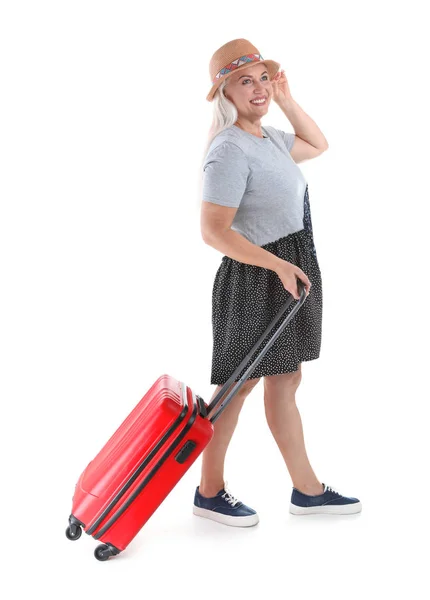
pixel 330 489
pixel 230 498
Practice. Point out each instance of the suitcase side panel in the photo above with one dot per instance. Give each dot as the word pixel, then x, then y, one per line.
pixel 141 470
pixel 134 439
pixel 128 427
pixel 131 433
pixel 166 474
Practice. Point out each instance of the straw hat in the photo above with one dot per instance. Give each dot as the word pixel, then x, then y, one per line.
pixel 232 57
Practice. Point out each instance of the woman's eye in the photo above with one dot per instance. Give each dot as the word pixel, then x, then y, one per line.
pixel 250 79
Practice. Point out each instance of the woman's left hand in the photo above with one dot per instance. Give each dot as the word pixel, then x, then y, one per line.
pixel 280 87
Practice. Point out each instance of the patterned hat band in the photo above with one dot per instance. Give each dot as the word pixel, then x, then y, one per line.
pixel 248 58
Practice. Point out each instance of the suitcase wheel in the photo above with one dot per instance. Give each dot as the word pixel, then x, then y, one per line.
pixel 104 551
pixel 73 532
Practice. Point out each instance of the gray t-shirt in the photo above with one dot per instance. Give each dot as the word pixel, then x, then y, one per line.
pixel 258 176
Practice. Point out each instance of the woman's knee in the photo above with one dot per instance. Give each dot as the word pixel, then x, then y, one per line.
pixel 235 406
pixel 249 385
pixel 283 380
pixel 244 389
pixel 280 393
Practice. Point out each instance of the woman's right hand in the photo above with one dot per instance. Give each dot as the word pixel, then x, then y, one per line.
pixel 288 273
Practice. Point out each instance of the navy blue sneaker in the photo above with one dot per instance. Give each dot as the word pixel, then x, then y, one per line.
pixel 224 508
pixel 329 502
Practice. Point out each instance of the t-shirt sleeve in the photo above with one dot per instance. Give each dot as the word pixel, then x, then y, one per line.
pixel 287 138
pixel 225 173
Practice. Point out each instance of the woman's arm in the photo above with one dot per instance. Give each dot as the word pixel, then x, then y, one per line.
pixel 216 232
pixel 310 140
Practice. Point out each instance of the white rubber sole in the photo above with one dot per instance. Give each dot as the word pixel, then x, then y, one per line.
pixel 340 509
pixel 248 521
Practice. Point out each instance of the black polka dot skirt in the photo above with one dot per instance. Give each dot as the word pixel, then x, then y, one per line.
pixel 246 298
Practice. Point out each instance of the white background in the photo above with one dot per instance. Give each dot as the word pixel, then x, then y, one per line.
pixel 106 284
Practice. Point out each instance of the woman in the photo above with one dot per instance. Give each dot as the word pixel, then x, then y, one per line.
pixel 256 212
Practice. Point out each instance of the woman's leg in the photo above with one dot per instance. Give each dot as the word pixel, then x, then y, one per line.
pixel 285 424
pixel 212 477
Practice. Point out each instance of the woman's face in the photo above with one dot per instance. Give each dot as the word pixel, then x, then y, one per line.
pixel 246 85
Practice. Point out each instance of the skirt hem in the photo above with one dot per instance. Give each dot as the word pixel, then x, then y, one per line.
pixel 282 372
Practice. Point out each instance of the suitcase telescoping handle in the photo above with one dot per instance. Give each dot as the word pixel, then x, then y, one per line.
pixel 259 357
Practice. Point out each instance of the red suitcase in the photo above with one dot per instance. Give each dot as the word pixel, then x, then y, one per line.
pixel 149 453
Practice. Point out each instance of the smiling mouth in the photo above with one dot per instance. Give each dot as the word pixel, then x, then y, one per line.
pixel 261 102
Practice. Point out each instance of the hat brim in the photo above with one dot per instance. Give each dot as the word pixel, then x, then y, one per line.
pixel 272 67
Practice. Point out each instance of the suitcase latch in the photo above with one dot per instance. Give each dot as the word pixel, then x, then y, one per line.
pixel 185 451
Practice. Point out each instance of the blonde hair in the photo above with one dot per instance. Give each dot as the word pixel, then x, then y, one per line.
pixel 224 115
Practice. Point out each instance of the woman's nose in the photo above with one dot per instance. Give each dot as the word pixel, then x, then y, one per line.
pixel 261 86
